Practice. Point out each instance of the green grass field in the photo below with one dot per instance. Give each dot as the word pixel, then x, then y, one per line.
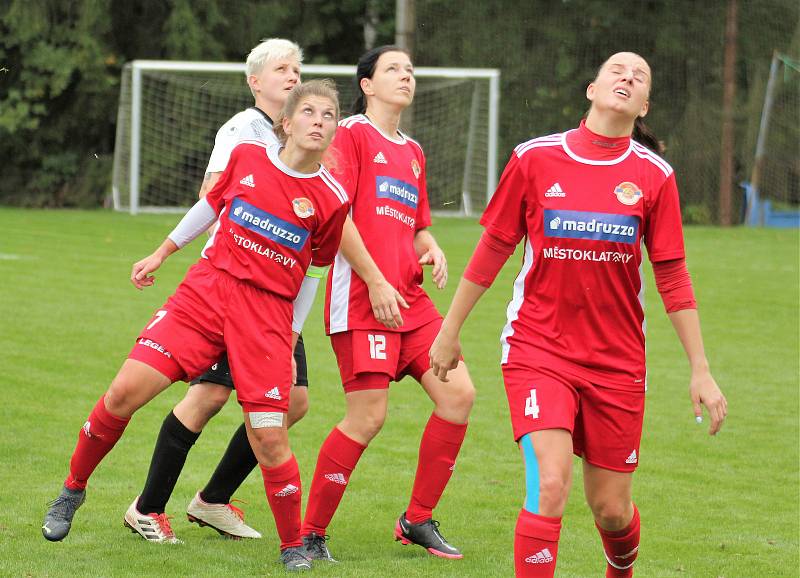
pixel 725 506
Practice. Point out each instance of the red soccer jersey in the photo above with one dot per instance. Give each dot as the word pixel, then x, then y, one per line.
pixel 385 179
pixel 578 300
pixel 273 222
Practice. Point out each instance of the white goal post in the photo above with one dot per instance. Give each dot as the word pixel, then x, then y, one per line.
pixel 169 113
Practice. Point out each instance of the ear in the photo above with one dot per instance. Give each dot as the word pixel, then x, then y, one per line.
pixel 590 90
pixel 286 123
pixel 252 82
pixel 366 86
pixel 645 108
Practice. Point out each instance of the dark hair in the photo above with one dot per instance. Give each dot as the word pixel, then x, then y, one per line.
pixel 645 136
pixel 366 69
pixel 323 87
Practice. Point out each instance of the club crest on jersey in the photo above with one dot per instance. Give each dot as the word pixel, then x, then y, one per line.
pixel 628 193
pixel 415 168
pixel 302 207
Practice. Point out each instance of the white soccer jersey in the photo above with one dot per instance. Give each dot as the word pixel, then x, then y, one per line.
pixel 249 124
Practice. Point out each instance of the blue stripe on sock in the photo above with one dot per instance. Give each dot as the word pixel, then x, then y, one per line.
pixel 531 474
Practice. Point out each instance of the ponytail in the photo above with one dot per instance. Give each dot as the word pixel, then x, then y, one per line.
pixel 646 137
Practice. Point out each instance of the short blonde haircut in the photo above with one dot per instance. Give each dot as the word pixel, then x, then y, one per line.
pixel 271 49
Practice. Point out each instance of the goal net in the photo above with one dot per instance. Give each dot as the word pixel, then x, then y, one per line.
pixel 773 193
pixel 169 113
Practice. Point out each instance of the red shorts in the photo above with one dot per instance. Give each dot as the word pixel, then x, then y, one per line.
pixel 363 353
pixel 211 312
pixel 605 423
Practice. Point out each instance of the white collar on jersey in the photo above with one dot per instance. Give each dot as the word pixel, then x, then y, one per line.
pixel 580 159
pixel 401 140
pixel 272 153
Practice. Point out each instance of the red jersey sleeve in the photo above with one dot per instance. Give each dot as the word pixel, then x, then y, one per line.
pixel 504 217
pixel 663 231
pixel 344 166
pixel 326 239
pixel 216 196
pixel 423 218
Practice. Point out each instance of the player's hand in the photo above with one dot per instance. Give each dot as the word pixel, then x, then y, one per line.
pixel 444 354
pixel 294 371
pixel 386 302
pixel 704 391
pixel 435 256
pixel 140 274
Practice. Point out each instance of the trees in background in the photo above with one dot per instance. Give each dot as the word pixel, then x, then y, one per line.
pixel 60 64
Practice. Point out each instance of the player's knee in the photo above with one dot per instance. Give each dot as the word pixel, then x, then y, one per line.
pixel 119 398
pixel 611 513
pixel 367 424
pixel 271 447
pixel 553 493
pixel 202 402
pixel 214 400
pixel 372 425
pixel 464 397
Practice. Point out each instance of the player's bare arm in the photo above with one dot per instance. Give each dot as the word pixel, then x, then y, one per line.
pixel 140 274
pixel 430 253
pixel 703 389
pixel 385 299
pixel 209 180
pixel 194 222
pixel 446 348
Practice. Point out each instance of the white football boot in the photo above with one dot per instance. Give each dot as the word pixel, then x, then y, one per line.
pixel 226 519
pixel 151 527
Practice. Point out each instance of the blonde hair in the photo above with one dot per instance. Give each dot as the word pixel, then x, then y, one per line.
pixel 324 87
pixel 271 49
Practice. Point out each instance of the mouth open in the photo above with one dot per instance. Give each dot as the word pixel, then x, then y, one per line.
pixel 622 92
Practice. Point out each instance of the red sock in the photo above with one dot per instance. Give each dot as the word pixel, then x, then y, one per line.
pixel 337 459
pixel 97 436
pixel 536 545
pixel 621 547
pixel 438 449
pixel 282 485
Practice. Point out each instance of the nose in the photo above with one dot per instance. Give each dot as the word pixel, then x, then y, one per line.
pixel 627 75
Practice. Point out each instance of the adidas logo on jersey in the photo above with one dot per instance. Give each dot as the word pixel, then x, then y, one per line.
pixel 543 556
pixel 248 181
pixel 380 159
pixel 273 393
pixel 288 490
pixel 336 479
pixel 632 459
pixel 555 191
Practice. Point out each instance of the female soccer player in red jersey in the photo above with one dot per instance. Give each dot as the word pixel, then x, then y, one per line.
pixel 573 355
pixel 280 218
pixel 384 173
pixel 272 70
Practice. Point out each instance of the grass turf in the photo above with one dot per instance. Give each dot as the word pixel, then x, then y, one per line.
pixel 711 507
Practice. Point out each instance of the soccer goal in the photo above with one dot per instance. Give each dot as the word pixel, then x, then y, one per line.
pixel 169 113
pixel 772 197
